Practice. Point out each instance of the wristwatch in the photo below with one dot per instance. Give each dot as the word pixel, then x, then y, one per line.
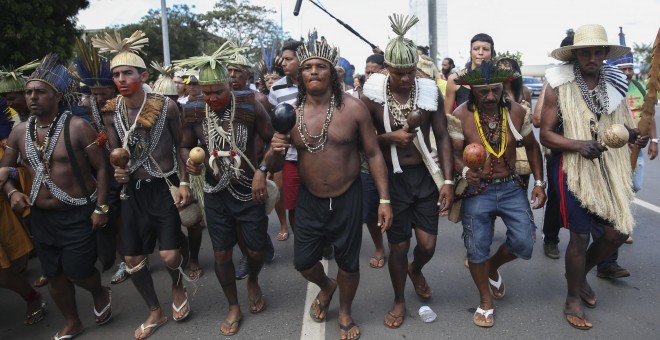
pixel 102 209
pixel 263 168
pixel 654 140
pixel 540 183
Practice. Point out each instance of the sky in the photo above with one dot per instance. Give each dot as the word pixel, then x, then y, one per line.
pixel 532 27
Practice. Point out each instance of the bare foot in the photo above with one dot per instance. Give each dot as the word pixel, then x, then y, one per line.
pixel 256 297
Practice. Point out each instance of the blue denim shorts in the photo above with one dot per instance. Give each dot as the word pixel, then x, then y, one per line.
pixel 507 200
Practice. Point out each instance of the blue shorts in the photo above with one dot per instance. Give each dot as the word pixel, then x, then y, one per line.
pixel 507 200
pixel 573 216
pixel 370 199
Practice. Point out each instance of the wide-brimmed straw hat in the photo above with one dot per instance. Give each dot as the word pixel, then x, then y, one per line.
pixel 589 36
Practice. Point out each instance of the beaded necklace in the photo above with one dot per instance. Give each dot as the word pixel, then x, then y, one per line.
pixel 485 141
pixel 596 99
pixel 318 141
pixel 39 147
pixel 397 108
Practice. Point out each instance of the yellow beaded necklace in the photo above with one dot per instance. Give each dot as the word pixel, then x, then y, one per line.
pixel 483 138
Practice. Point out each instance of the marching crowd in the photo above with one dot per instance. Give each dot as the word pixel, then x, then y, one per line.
pixel 95 163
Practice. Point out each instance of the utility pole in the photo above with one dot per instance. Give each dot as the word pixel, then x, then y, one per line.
pixel 433 30
pixel 166 33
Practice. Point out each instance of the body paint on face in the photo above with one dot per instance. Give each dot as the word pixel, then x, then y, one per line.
pixel 130 88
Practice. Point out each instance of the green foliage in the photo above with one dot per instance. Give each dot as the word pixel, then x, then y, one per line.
pixel 643 53
pixel 247 24
pixel 31 29
pixel 517 56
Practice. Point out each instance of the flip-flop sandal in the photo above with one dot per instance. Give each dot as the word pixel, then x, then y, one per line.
pixel 107 308
pixel 57 335
pixel 36 316
pixel 378 260
pixel 41 281
pixel 395 317
pixel 580 316
pixel 423 292
pixel 499 285
pixel 254 301
pixel 151 328
pixel 195 273
pixel 585 297
pixel 485 314
pixel 231 324
pixel 323 309
pixel 282 236
pixel 347 328
pixel 176 309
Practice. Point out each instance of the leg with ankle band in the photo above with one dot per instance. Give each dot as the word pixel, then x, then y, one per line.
pixel 142 280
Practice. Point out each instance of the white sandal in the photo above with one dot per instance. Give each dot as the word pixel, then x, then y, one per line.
pixel 485 314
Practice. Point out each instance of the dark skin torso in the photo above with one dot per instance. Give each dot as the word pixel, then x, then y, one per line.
pixel 61 172
pixel 331 172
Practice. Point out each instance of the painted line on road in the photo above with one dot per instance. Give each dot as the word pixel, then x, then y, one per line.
pixel 312 330
pixel 647 205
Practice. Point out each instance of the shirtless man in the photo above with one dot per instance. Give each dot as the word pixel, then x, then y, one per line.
pixel 67 206
pixel 332 126
pixel 148 126
pixel 235 184
pixel 416 197
pixel 494 188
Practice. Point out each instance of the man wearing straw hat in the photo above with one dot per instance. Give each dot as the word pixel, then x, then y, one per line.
pixel 235 189
pixel 415 180
pixel 148 126
pixel 583 99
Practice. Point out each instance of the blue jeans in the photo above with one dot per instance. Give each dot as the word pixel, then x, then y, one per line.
pixel 638 174
pixel 507 200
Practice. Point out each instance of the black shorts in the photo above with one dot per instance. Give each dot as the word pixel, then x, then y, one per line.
pixel 147 214
pixel 414 197
pixel 224 213
pixel 371 199
pixel 320 221
pixel 66 243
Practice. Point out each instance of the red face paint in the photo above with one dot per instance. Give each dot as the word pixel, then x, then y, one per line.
pixel 129 88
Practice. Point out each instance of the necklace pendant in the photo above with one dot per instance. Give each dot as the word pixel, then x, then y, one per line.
pixel 492 125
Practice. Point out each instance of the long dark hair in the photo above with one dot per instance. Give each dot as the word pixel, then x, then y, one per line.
pixel 516 84
pixel 337 88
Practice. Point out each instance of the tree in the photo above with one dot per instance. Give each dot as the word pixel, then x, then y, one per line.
pixel 247 24
pixel 188 34
pixel 643 53
pixel 31 29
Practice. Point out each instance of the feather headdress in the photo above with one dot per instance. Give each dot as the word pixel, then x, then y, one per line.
pixel 486 74
pixel 401 52
pixel 56 76
pixel 270 61
pixel 6 121
pixel 165 84
pixel 314 49
pixel 127 49
pixel 93 70
pixel 212 68
pixel 12 80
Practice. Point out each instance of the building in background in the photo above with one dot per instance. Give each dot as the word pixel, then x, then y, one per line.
pixel 431 30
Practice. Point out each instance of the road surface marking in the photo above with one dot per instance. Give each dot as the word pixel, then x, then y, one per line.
pixel 647 205
pixel 312 330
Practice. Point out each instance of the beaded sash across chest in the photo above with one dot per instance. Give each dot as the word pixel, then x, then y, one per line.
pixel 141 146
pixel 40 156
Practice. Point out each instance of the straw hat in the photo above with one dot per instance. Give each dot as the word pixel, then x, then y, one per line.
pixel 589 36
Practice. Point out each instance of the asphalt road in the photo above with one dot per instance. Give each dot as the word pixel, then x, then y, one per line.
pixel 532 308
